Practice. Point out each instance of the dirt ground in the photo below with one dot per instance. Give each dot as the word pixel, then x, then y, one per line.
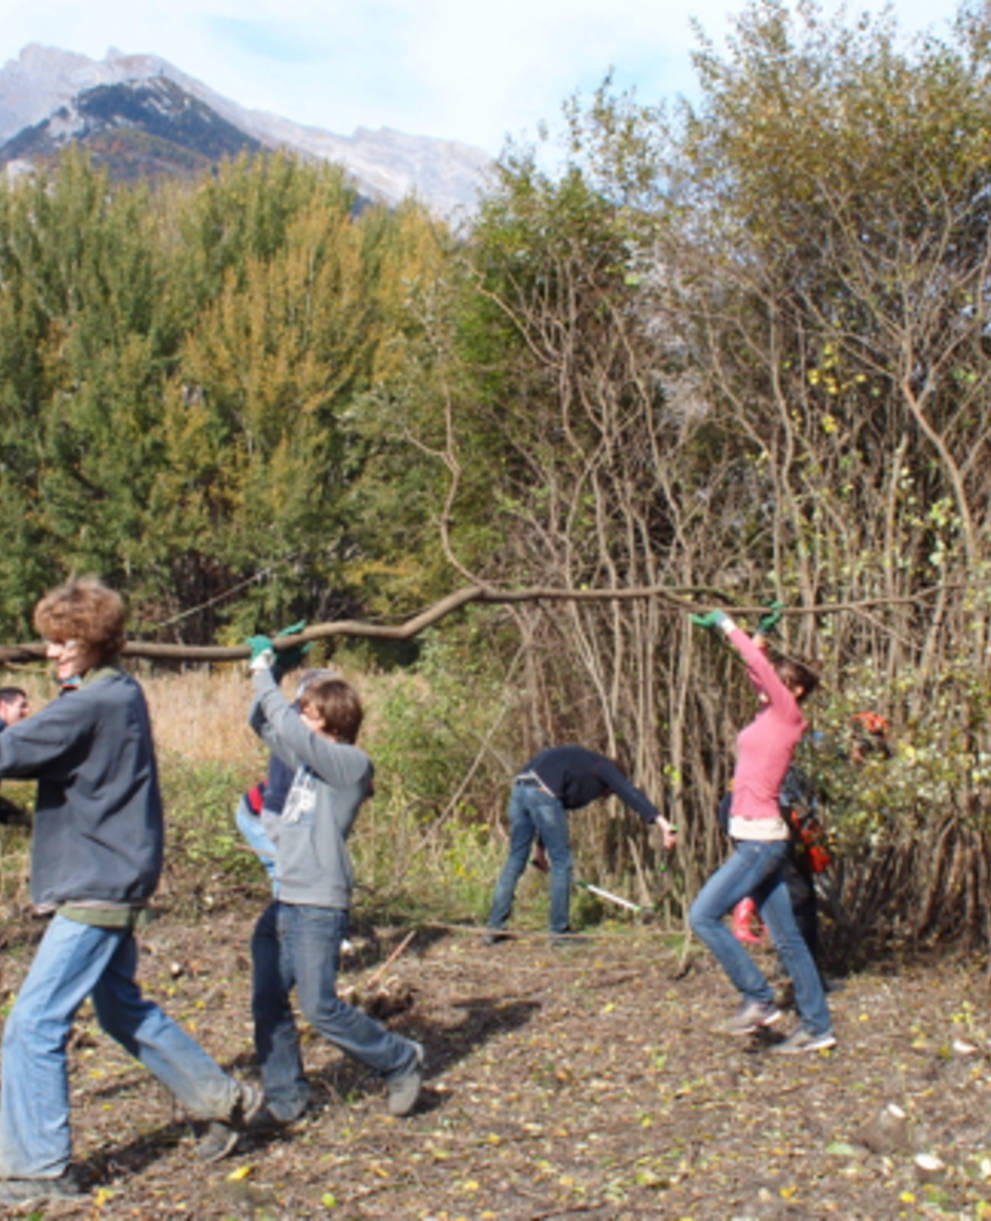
pixel 582 1083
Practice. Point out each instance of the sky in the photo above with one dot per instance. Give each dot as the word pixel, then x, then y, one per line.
pixel 470 70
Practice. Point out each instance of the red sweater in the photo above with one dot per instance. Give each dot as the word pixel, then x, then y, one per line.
pixel 765 747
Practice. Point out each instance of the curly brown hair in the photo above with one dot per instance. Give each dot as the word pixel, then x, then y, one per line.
pixel 336 704
pixel 86 610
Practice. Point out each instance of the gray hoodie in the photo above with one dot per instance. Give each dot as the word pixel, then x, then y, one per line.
pixel 330 781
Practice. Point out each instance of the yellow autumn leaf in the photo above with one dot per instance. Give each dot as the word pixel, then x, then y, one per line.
pixel 240 1173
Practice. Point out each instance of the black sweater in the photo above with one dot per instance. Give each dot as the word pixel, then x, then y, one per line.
pixel 577 776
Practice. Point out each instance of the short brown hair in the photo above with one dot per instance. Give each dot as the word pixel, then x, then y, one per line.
pixel 86 610
pixel 337 705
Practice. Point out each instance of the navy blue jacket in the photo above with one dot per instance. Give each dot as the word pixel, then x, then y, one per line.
pixel 98 824
pixel 577 776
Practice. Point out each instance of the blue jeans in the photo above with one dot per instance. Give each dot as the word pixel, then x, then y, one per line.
pixel 75 961
pixel 252 828
pixel 755 868
pixel 535 814
pixel 299 946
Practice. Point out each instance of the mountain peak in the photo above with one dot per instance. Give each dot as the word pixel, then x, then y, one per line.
pixel 44 81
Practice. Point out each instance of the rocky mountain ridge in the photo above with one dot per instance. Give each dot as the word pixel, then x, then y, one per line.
pixel 49 98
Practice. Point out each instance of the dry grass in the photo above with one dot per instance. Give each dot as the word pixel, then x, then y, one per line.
pixel 202 714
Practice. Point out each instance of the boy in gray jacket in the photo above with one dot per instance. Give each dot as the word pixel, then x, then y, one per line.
pixel 297 939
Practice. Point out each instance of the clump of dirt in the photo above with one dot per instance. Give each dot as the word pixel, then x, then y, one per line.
pixel 581 1081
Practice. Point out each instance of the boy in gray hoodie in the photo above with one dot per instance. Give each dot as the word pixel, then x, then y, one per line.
pixel 296 942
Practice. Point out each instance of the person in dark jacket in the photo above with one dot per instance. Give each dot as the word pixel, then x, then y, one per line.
pixel 14 706
pixel 96 856
pixel 557 780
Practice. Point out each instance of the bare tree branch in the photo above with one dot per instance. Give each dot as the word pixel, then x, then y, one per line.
pixel 674 600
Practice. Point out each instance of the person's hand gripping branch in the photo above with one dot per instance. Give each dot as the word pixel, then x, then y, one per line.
pixel 262 653
pixel 290 659
pixel 711 619
pixel 767 624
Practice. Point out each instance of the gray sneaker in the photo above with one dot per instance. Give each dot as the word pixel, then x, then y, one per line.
pixel 221 1137
pixel 405 1090
pixel 250 1100
pixel 566 938
pixel 804 1040
pixel 218 1140
pixel 37 1191
pixel 751 1016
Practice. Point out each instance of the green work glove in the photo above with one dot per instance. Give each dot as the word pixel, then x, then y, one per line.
pixel 262 652
pixel 292 630
pixel 767 623
pixel 714 618
pixel 291 659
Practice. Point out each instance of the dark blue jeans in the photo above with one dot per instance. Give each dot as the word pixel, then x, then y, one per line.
pixel 298 946
pixel 535 814
pixel 755 868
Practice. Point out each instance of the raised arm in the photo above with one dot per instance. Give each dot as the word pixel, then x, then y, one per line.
pixel 283 730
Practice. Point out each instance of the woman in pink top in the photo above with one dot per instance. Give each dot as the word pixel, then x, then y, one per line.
pixel 760 843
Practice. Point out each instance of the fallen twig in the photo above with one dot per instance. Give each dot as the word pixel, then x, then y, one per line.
pixel 373 979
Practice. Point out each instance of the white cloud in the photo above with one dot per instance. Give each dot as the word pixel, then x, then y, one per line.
pixel 439 67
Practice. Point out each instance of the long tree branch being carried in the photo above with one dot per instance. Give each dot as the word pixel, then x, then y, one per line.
pixel 677 600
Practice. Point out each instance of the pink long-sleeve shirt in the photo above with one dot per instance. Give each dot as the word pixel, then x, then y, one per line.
pixel 764 748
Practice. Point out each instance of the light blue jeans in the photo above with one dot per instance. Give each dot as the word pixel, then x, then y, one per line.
pixel 75 961
pixel 755 868
pixel 534 814
pixel 299 946
pixel 253 829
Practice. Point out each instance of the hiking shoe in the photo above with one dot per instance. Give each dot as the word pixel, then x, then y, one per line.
pixel 28 1191
pixel 265 1120
pixel 405 1090
pixel 567 937
pixel 250 1100
pixel 221 1137
pixel 804 1040
pixel 751 1016
pixel 218 1140
pixel 494 937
